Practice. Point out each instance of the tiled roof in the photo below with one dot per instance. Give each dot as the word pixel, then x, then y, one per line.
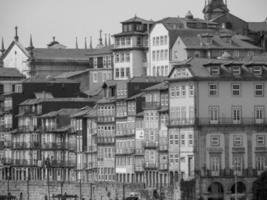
pixel 37 79
pixel 68 54
pixel 138 19
pixel 136 96
pixel 257 26
pixel 105 100
pixel 143 79
pixel 64 111
pixel 36 101
pixel 160 86
pixel 81 112
pixel 71 74
pixel 197 42
pixel 198 67
pixel 10 73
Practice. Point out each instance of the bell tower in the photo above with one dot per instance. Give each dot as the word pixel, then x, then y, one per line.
pixel 215 8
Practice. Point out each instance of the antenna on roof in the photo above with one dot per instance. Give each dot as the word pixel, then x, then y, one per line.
pixel 2 46
pixel 109 39
pixel 91 45
pixel 76 43
pixel 85 43
pixel 106 42
pixel 16 34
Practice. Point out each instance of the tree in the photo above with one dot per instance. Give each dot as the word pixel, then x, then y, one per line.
pixel 259 188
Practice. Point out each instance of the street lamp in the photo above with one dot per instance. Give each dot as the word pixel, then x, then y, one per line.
pixel 47 165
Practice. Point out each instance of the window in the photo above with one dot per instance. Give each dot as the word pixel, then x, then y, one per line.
pixel 238 162
pixel 214 114
pixel 215 71
pixel 259 90
pixel 127 59
pixel 215 140
pixel 257 70
pixel 236 70
pixel 190 141
pixel 260 162
pixel 182 139
pixel 128 41
pixel 122 72
pixel 191 90
pixel 260 140
pixel 183 91
pixel 117 58
pixel 237 140
pixel 117 73
pixel 236 89
pixel 236 114
pixel 128 72
pixel 95 77
pixel 259 114
pixel 153 55
pixel 215 162
pixel 213 89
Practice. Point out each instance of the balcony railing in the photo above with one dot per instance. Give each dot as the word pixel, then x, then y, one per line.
pixel 139 152
pixel 163 148
pixel 151 105
pixel 229 173
pixel 139 168
pixel 105 140
pixel 149 165
pixel 151 144
pixel 217 122
pixel 125 133
pixel 106 119
pixel 126 151
pixel 24 162
pixel 53 146
pixel 163 166
pixel 21 145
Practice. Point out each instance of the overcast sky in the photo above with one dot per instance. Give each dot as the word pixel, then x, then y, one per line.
pixel 67 19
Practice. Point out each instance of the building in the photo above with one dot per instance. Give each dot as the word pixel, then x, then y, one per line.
pixel 192 44
pixel 55 59
pixel 163 36
pixel 33 126
pixel 217 118
pixel 217 11
pixel 156 117
pixel 130 49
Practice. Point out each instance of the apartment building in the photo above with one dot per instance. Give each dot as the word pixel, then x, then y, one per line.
pixel 83 124
pixel 163 36
pixel 217 117
pixel 130 49
pixel 212 45
pixel 156 135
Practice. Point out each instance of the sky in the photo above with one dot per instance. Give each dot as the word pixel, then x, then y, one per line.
pixel 68 19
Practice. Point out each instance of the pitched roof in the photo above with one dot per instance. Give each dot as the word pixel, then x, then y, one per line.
pixel 10 73
pixel 65 99
pixel 160 86
pixel 20 46
pixel 64 111
pixel 142 79
pixel 217 42
pixel 198 67
pixel 257 26
pixel 76 55
pixel 71 74
pixel 138 19
pixel 82 112
pixel 37 79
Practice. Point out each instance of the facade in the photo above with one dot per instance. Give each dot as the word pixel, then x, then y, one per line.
pixel 212 45
pixel 130 49
pixel 217 117
pixel 163 36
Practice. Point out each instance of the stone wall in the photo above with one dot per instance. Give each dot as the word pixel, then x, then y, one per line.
pixel 37 190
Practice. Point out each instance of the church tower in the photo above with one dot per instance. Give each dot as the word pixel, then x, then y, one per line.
pixel 215 8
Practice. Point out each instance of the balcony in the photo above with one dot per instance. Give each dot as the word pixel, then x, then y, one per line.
pixel 151 105
pixel 125 133
pixel 127 151
pixel 150 165
pixel 105 140
pixel 139 168
pixel 229 173
pixel 182 122
pixel 163 148
pixel 163 166
pixel 231 121
pixel 106 119
pixel 151 145
pixel 26 129
pixel 92 149
pixel 139 152
pixel 53 146
pixel 218 122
